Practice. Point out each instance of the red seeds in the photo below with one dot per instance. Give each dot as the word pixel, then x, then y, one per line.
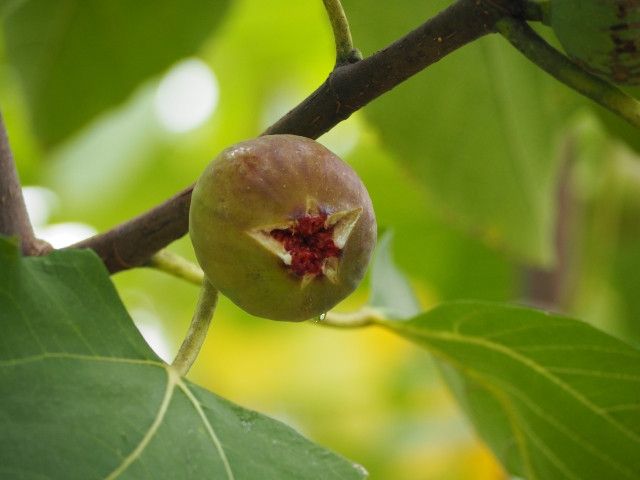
pixel 309 242
pixel 310 224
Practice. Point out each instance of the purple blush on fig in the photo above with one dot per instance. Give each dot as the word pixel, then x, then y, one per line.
pixel 282 226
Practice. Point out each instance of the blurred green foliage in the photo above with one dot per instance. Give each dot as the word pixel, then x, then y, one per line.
pixel 461 162
pixel 78 58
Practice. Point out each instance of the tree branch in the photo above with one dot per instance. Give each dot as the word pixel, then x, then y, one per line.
pixel 133 243
pixel 347 89
pixel 351 87
pixel 14 219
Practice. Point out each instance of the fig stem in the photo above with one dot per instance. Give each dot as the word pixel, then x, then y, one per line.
pixel 363 317
pixel 197 332
pixel 177 266
pixel 345 52
pixel 536 49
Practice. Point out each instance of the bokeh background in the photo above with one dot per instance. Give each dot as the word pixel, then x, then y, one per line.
pixel 497 182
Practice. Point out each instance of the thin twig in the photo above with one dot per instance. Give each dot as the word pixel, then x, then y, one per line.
pixel 14 219
pixel 536 49
pixel 177 266
pixel 198 329
pixel 348 88
pixel 364 317
pixel 345 52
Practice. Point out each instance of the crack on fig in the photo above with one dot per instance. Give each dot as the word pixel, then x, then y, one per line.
pixel 311 244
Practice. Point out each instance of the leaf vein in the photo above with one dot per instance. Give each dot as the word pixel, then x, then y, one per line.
pixel 595 373
pixel 529 362
pixel 212 434
pixel 72 356
pixel 155 425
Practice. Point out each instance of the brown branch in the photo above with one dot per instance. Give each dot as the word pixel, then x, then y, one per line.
pixel 132 243
pixel 14 219
pixel 348 88
pixel 351 87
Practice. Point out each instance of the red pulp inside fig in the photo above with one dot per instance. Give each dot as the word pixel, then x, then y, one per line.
pixel 310 242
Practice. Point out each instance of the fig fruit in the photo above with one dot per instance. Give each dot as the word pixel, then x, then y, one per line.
pixel 282 227
pixel 601 36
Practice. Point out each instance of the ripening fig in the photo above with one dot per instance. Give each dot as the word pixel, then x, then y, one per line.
pixel 282 227
pixel 602 36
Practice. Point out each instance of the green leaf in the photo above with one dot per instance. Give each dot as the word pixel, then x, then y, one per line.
pixel 554 398
pixel 479 129
pixel 82 396
pixel 390 289
pixel 77 58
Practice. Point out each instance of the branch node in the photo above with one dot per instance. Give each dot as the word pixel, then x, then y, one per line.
pixel 345 52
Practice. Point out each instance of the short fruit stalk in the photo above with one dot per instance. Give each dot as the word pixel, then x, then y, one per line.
pixel 197 333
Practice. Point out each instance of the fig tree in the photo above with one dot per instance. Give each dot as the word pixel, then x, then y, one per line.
pixel 282 227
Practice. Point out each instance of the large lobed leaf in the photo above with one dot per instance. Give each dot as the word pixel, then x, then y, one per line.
pixel 82 396
pixel 553 397
pixel 77 58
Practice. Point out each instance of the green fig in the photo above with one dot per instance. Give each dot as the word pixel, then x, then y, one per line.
pixel 282 227
pixel 603 36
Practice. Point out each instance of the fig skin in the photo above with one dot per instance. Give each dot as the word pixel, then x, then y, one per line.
pixel 601 36
pixel 270 181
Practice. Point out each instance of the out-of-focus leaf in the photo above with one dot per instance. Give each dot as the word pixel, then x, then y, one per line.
pixel 479 129
pixel 78 58
pixel 7 5
pixel 82 396
pixel 433 253
pixel 120 145
pixel 390 289
pixel 618 127
pixel 553 397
